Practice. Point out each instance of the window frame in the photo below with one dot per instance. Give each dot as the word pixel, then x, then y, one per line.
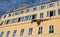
pixel 42 6
pixel 48 13
pixel 40 30
pixel 58 11
pixel 14 33
pixel 58 3
pixel 4 16
pixel 30 31
pixel 7 34
pixel 41 15
pixel 52 29
pixel 50 5
pixel 2 33
pixel 22 32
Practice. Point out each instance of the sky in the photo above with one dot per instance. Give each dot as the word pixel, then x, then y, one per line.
pixel 7 6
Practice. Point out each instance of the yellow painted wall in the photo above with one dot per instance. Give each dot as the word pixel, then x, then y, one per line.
pixel 55 20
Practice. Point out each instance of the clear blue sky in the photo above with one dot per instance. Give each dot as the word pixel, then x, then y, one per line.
pixel 7 6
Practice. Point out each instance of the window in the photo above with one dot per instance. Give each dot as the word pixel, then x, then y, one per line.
pixel 22 18
pixel 29 17
pixel 7 35
pixel 5 22
pixel 59 11
pixel 22 32
pixel 22 12
pixel 15 20
pixel 26 18
pixel 4 16
pixel 9 15
pixel 41 15
pixel 10 21
pixel 40 30
pixel 34 16
pixel 12 14
pixel 30 31
pixel 27 10
pixel 14 33
pixel 34 9
pixel 48 14
pixel 1 33
pixel 51 5
pixel 51 29
pixel 51 13
pixel 19 19
pixel 43 7
pixel 58 3
pixel 17 13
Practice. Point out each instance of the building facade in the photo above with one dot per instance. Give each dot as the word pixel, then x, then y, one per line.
pixel 38 21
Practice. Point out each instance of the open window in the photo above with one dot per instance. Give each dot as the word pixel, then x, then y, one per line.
pixel 34 16
pixel 19 19
pixel 51 13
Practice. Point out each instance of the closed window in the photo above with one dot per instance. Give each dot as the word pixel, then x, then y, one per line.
pixel 14 33
pixel 40 29
pixel 26 17
pixel 30 17
pixel 10 21
pixel 7 35
pixel 4 22
pixel 34 9
pixel 58 3
pixel 17 13
pixel 51 13
pixel 1 34
pixel 22 12
pixel 43 6
pixel 30 31
pixel 51 29
pixel 51 5
pixel 27 10
pixel 12 14
pixel 22 18
pixel 22 32
pixel 15 20
pixel 41 15
pixel 59 11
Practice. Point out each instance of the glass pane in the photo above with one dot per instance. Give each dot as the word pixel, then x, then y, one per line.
pixel 1 33
pixel 59 11
pixel 40 30
pixel 22 32
pixel 14 33
pixel 51 29
pixel 7 35
pixel 54 12
pixel 48 13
